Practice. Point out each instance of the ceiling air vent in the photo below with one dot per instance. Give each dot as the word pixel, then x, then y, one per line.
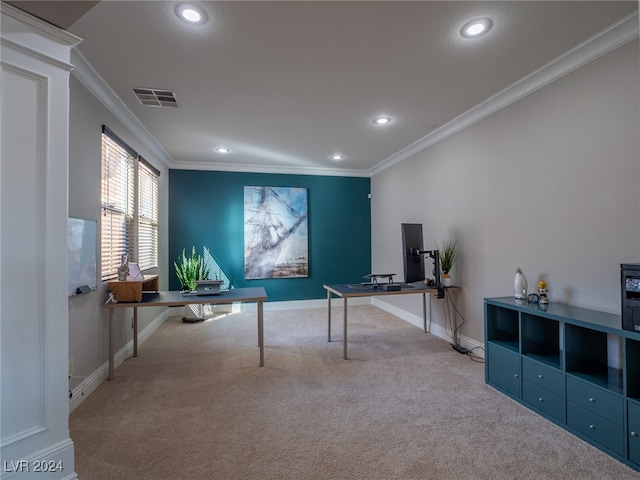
pixel 153 97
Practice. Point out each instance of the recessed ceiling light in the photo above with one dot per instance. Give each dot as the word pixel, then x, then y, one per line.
pixel 337 156
pixel 476 27
pixel 223 150
pixel 382 120
pixel 191 14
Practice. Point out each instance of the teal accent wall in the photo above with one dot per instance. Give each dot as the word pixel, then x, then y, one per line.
pixel 206 209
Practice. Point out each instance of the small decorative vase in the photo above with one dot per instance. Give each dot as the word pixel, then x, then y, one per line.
pixel 446 280
pixel 520 286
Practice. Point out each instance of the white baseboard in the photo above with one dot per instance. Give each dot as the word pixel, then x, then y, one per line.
pixel 59 455
pixel 398 312
pixel 435 329
pixel 89 384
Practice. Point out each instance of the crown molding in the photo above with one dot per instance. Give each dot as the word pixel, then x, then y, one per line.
pixel 43 28
pixel 98 86
pixel 618 34
pixel 288 170
pixel 36 38
pixel 37 54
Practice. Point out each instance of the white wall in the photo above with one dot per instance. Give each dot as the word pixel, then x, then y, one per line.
pixel 550 184
pixel 88 320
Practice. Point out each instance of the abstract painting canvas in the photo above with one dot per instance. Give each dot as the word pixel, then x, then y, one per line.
pixel 276 241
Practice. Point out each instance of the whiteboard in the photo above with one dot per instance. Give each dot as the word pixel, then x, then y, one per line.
pixel 81 242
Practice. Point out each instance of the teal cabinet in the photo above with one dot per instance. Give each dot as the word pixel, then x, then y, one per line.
pixel 605 433
pixel 543 388
pixel 543 401
pixel 543 376
pixel 576 367
pixel 634 432
pixel 595 400
pixel 504 370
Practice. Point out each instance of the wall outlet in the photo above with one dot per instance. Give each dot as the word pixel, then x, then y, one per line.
pixel 71 366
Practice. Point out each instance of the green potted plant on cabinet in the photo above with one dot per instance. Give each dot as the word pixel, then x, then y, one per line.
pixel 448 258
pixel 189 269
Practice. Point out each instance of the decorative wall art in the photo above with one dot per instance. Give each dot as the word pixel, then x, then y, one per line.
pixel 276 241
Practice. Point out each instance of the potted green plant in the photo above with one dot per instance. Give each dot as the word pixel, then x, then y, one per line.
pixel 448 258
pixel 189 269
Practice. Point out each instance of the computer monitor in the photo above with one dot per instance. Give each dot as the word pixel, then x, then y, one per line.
pixel 412 244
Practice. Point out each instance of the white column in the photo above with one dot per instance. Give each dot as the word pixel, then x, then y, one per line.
pixel 34 158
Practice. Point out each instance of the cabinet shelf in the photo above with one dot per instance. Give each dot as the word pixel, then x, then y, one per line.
pixel 541 339
pixel 588 357
pixel 633 368
pixel 508 344
pixel 580 361
pixel 550 358
pixel 610 380
pixel 503 327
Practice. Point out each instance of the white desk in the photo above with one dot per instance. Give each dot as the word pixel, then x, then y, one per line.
pixel 176 299
pixel 346 291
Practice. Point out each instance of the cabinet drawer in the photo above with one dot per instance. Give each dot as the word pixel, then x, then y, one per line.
pixel 595 399
pixel 504 369
pixel 634 432
pixel 595 427
pixel 543 400
pixel 543 375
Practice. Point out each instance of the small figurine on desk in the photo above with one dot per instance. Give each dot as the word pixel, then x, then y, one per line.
pixel 542 292
pixel 123 269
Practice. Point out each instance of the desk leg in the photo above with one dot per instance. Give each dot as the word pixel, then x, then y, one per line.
pixel 261 332
pixel 344 339
pixel 329 314
pixel 135 331
pixel 429 310
pixel 424 312
pixel 111 354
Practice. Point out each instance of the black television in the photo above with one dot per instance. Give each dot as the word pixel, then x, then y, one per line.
pixel 412 244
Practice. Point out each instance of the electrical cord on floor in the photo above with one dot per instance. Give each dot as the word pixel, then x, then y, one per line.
pixel 452 328
pixel 75 377
pixel 474 357
pixel 451 313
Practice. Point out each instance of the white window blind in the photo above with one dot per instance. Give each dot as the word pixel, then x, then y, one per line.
pixel 117 205
pixel 147 216
pixel 126 229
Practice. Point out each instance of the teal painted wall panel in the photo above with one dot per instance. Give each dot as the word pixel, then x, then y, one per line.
pixel 206 209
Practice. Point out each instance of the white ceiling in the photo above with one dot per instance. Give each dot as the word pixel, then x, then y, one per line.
pixel 286 84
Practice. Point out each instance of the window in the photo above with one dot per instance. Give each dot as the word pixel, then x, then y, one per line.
pixel 117 203
pixel 147 215
pixel 127 228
